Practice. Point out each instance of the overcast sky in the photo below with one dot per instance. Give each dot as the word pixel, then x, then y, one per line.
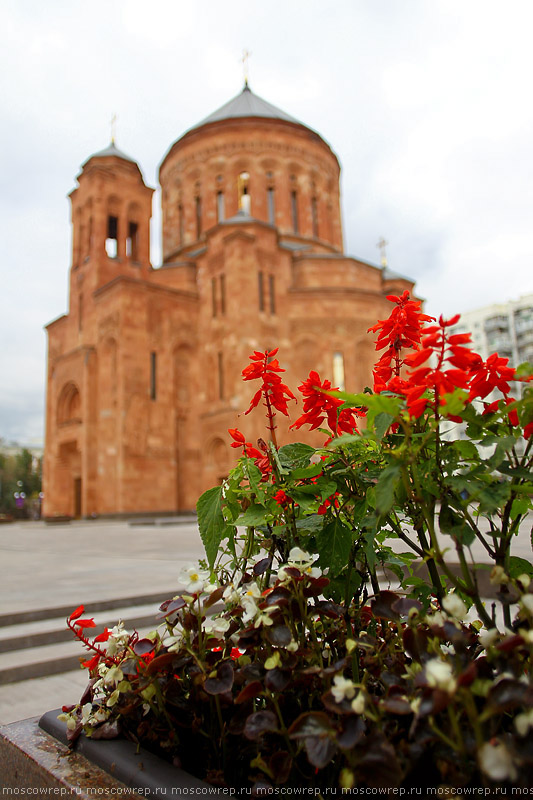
pixel 427 104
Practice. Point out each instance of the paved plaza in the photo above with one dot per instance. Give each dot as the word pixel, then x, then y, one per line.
pixel 50 566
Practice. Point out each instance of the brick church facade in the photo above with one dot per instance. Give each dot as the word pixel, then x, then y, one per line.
pixel 144 369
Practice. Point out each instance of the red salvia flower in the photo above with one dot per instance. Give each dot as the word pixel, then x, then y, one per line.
pixel 91 663
pixel 274 392
pixel 489 375
pixel 402 329
pixel 265 367
pixel 318 405
pixel 261 457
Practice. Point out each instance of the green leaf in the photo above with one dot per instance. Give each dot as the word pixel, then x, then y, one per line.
pixel 454 402
pixel 385 487
pixel 301 473
pixel 382 423
pixel 213 527
pixel 254 515
pixel 295 455
pixel 334 543
pixel 519 566
pixel 452 524
pixel 520 506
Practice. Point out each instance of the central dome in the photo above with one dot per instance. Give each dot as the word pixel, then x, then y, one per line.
pixel 246 104
pixel 250 156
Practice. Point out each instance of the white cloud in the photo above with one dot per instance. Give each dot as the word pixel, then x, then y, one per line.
pixel 426 105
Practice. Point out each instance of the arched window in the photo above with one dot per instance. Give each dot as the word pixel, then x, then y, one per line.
pixel 69 404
pixel 245 202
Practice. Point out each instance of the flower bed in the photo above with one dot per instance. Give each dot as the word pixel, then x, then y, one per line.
pixel 314 674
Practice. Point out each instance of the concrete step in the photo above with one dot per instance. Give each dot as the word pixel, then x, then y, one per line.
pixel 43 647
pixel 54 629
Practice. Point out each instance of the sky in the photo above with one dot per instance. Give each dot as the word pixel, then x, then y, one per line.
pixel 427 104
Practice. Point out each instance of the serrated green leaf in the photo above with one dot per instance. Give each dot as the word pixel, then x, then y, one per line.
pixel 520 506
pixel 254 515
pixel 382 423
pixel 211 522
pixel 451 523
pixel 519 566
pixel 385 487
pixel 334 543
pixel 295 455
pixel 301 473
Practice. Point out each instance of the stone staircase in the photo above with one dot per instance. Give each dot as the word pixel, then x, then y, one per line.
pixel 37 643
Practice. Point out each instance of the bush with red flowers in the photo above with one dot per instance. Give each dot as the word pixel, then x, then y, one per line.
pixel 337 634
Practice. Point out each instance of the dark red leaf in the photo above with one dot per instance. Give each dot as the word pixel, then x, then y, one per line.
pixel 382 605
pixel 277 680
pixel 279 635
pixel 262 566
pixel 222 681
pixel 320 750
pixel 259 723
pixel 214 597
pixel 404 605
pixel 312 723
pixel 249 692
pixel 352 732
pixel 280 765
pixel 396 705
pixel 143 646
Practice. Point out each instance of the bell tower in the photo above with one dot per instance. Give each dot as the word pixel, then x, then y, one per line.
pixel 111 209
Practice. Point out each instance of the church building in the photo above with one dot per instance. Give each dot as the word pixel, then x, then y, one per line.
pixel 144 371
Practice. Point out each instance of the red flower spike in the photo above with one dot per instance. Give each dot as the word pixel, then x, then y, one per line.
pixel 77 613
pixel 237 436
pixel 85 623
pixel 318 406
pixel 528 430
pixel 275 394
pixel 103 637
pixel 92 663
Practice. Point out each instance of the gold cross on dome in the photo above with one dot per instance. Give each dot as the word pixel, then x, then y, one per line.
pixel 113 128
pixel 382 244
pixel 245 66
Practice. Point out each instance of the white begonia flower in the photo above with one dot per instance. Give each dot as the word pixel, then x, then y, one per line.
pixel 436 618
pixel 216 625
pixel 303 561
pixel 496 761
pixel 454 606
pixel 113 676
pixel 231 594
pixel 527 636
pixel 498 576
pixel 439 675
pixel 263 616
pixel 525 580
pixel 523 722
pixel 118 639
pixel 250 608
pixel 193 578
pixel 488 637
pixel 69 719
pixel 526 601
pixel 358 703
pixel 343 687
pixel 86 713
pixel 113 699
pixel 173 643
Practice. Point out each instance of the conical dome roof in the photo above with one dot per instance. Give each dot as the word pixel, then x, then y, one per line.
pixel 246 104
pixel 111 150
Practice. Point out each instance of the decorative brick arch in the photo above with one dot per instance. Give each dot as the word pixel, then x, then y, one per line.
pixel 69 404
